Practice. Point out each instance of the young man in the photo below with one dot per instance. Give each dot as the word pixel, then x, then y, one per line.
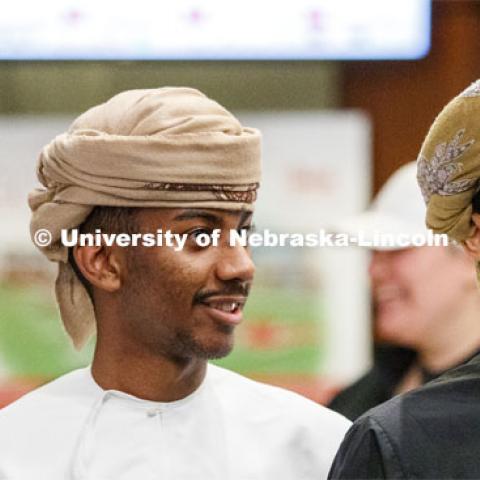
pixel 425 300
pixel 433 432
pixel 150 406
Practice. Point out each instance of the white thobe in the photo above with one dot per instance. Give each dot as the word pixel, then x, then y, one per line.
pixel 230 428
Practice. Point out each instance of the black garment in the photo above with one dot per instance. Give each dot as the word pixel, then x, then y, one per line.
pixel 430 433
pixel 378 385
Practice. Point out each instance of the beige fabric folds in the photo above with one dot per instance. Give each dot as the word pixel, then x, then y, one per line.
pixel 166 147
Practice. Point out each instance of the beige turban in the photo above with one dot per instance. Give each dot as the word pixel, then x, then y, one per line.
pixel 167 147
pixel 449 165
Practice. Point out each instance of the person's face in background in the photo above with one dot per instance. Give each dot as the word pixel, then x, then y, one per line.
pixel 418 290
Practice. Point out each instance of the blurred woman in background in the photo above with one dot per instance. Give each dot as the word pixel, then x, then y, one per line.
pixel 426 304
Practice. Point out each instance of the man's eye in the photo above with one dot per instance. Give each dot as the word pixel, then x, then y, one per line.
pixel 247 228
pixel 195 233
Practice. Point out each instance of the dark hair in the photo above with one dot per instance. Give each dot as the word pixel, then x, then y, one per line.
pixel 108 220
pixel 476 202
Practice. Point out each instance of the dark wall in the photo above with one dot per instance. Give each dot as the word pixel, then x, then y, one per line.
pixel 73 87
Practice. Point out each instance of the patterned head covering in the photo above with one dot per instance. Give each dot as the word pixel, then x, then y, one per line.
pixel 449 165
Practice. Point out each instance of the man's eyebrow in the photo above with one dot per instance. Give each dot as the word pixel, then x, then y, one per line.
pixel 246 215
pixel 211 217
pixel 193 213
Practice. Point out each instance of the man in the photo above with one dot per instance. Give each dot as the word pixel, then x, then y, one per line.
pixel 433 432
pixel 425 300
pixel 150 406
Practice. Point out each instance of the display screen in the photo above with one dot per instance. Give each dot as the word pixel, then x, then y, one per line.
pixel 214 30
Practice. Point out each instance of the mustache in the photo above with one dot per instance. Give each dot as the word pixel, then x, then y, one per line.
pixel 234 288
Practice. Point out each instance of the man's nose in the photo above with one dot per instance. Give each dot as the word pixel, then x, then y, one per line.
pixel 235 263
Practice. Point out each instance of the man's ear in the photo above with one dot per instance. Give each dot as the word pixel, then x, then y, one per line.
pixel 101 266
pixel 472 244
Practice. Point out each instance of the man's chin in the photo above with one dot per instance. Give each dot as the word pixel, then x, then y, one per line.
pixel 206 349
pixel 212 352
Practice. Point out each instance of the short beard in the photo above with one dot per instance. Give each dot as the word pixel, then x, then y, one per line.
pixel 186 346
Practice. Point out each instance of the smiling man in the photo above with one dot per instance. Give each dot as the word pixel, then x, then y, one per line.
pixel 150 406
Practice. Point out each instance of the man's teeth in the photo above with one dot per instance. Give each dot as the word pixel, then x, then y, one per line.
pixel 228 307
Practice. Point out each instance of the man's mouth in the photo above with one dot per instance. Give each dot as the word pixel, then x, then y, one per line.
pixel 225 309
pixel 229 307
